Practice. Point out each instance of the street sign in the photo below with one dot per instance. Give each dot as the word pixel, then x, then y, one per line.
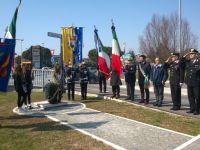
pixel 55 35
pixel 36 57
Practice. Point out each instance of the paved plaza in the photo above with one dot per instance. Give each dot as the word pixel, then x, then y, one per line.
pixel 118 132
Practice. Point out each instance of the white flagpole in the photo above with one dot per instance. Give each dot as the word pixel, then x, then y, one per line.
pixel 180 22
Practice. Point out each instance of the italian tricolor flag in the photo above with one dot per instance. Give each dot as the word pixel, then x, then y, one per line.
pixel 103 58
pixel 116 63
pixel 11 30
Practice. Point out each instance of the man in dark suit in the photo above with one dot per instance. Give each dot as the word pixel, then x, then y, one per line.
pixel 130 78
pixel 102 80
pixel 144 69
pixel 191 64
pixel 115 82
pixel 158 78
pixel 176 79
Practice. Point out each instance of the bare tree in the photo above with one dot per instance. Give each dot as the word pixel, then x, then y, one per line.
pixel 160 36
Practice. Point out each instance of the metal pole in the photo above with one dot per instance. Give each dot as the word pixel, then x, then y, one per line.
pixel 62 67
pixel 21 45
pixel 21 50
pixel 180 22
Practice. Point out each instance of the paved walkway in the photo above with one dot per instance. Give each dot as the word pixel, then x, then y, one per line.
pixel 118 132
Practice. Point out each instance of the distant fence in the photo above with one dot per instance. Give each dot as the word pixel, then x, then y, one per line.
pixel 41 77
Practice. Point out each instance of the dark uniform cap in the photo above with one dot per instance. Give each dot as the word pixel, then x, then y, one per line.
pixel 142 56
pixel 192 50
pixel 175 54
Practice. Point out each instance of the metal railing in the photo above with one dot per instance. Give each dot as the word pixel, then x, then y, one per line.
pixel 41 77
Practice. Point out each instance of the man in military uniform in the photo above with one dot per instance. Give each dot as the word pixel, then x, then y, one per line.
pixel 84 78
pixel 70 80
pixel 192 79
pixel 176 79
pixel 144 69
pixel 130 78
pixel 102 80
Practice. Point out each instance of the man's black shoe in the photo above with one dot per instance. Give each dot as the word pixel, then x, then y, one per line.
pixel 175 108
pixel 172 108
pixel 113 96
pixel 155 104
pixel 159 105
pixel 196 113
pixel 117 96
pixel 146 102
pixel 128 98
pixel 142 101
pixel 132 99
pixel 190 111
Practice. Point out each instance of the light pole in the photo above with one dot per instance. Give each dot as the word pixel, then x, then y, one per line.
pixel 21 41
pixel 180 22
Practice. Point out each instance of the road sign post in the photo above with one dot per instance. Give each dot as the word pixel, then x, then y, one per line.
pixel 57 35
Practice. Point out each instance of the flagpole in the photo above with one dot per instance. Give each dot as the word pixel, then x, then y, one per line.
pixel 180 10
pixel 112 22
pixel 95 32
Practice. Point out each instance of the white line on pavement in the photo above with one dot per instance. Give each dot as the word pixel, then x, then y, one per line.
pixel 188 143
pixel 84 106
pixel 87 133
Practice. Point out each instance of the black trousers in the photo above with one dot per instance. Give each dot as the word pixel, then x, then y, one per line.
pixel 194 97
pixel 130 90
pixel 102 80
pixel 83 90
pixel 70 89
pixel 21 98
pixel 158 91
pixel 116 90
pixel 144 91
pixel 176 95
pixel 28 96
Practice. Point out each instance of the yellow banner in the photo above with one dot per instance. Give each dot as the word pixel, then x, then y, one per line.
pixel 66 48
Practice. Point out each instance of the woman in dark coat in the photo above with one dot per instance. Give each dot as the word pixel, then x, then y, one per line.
pixel 29 84
pixel 20 87
pixel 115 82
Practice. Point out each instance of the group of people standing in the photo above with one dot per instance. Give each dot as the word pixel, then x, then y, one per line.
pixel 70 75
pixel 23 77
pixel 177 69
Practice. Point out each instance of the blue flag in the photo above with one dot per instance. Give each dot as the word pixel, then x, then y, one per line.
pixel 7 47
pixel 77 53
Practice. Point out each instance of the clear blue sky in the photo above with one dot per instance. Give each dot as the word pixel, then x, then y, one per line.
pixel 37 17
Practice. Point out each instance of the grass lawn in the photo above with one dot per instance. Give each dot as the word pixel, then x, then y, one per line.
pixel 38 133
